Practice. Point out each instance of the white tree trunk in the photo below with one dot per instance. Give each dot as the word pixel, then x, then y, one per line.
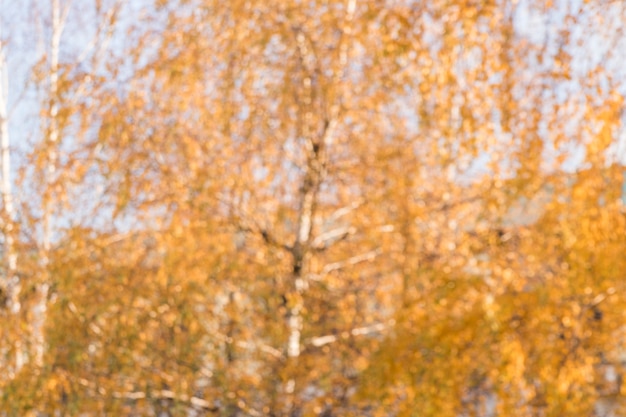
pixel 11 283
pixel 40 308
pixel 316 155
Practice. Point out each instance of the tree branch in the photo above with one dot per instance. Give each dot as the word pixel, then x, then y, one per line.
pixel 340 233
pixel 364 257
pixel 250 345
pixel 165 394
pixel 358 331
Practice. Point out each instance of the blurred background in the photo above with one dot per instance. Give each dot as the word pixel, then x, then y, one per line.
pixel 312 208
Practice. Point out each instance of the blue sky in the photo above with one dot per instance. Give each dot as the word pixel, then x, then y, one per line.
pixel 23 24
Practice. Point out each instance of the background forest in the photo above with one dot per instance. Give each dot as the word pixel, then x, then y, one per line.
pixel 312 208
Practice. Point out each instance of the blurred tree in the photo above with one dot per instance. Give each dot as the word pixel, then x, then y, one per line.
pixel 325 208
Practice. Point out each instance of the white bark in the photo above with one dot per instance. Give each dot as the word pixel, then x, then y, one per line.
pixel 193 401
pixel 295 329
pixel 7 195
pixel 317 147
pixel 11 279
pixel 358 331
pixel 41 307
pixel 364 257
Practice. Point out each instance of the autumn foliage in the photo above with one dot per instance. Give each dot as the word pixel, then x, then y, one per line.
pixel 323 208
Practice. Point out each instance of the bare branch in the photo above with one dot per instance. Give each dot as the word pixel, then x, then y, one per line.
pixel 164 394
pixel 322 240
pixel 109 16
pixel 358 331
pixel 364 257
pixel 264 233
pixel 340 212
pixel 602 296
pixel 249 345
pixel 168 395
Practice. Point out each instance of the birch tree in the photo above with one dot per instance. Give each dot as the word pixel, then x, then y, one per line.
pixel 11 282
pixel 323 209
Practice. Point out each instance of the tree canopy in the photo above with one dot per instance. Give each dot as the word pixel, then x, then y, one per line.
pixel 323 208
